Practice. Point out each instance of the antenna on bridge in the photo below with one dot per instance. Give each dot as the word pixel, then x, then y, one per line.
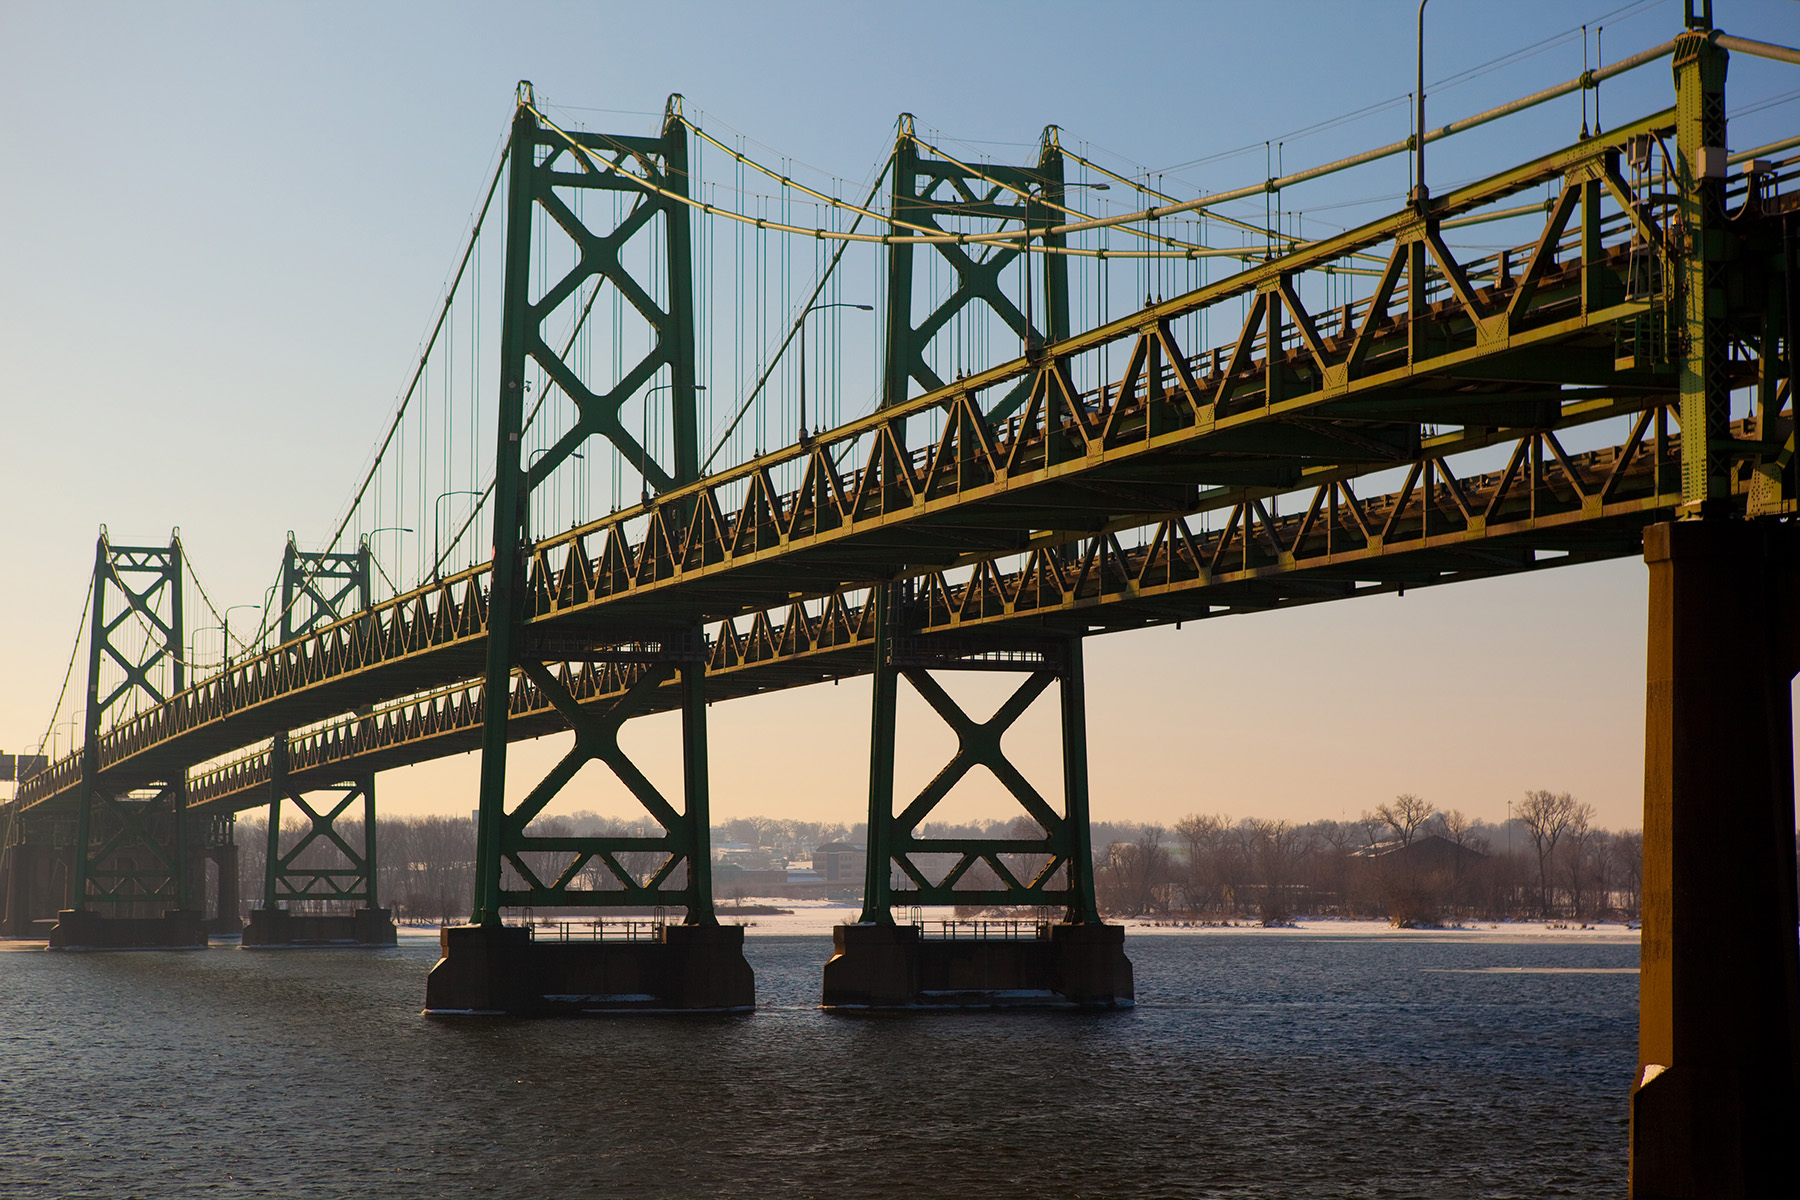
pixel 1422 194
pixel 525 94
pixel 1699 14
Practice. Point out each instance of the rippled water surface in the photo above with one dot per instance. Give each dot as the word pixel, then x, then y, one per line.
pixel 1255 1065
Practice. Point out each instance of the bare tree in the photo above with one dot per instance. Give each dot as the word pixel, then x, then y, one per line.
pixel 1340 841
pixel 1135 874
pixel 1547 817
pixel 1278 849
pixel 1200 880
pixel 1404 816
pixel 1579 854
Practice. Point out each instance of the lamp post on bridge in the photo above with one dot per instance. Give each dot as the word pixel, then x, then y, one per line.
pixel 815 308
pixel 530 463
pixel 365 545
pixel 644 445
pixel 437 527
pixel 267 627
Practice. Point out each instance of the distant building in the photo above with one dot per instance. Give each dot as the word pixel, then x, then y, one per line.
pixel 841 863
pixel 1426 852
pixel 1422 880
pixel 836 873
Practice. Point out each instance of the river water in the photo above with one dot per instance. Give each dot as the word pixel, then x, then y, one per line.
pixel 1285 1064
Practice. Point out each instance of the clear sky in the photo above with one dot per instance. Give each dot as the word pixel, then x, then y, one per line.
pixel 225 227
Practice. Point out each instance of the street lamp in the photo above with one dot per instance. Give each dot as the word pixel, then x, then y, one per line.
pixel 437 526
pixel 268 622
pixel 530 463
pixel 815 308
pixel 644 445
pixel 365 546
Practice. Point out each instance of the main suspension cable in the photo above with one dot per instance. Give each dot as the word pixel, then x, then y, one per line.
pixel 69 671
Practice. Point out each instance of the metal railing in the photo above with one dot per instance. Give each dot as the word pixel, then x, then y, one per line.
pixel 1009 929
pixel 594 929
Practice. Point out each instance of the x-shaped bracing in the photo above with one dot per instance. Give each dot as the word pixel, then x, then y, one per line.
pixel 143 605
pixel 979 744
pixel 134 827
pixel 347 882
pixel 597 739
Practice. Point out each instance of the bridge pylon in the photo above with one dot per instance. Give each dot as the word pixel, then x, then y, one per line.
pixel 1046 865
pixel 129 879
pixel 589 966
pixel 1716 1098
pixel 322 869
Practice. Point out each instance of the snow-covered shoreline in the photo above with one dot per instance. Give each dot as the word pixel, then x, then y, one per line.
pixel 816 918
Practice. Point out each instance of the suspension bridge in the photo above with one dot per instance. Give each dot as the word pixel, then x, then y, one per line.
pixel 1077 424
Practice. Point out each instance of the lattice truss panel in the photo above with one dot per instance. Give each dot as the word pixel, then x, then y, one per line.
pixel 621 869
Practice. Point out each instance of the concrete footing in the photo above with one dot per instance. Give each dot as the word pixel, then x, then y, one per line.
pixel 81 929
pixel 500 970
pixel 896 967
pixel 272 927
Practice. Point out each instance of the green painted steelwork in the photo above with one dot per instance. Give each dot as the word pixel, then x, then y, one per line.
pixel 318 589
pixel 131 848
pixel 583 870
pixel 1048 861
pixel 1181 433
pixel 935 194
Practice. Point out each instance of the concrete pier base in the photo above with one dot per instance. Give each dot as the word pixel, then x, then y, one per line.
pixel 895 967
pixel 1716 1103
pixel 500 970
pixel 176 929
pixel 273 927
pixel 36 886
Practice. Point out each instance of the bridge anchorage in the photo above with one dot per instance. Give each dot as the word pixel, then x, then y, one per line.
pixel 1385 411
